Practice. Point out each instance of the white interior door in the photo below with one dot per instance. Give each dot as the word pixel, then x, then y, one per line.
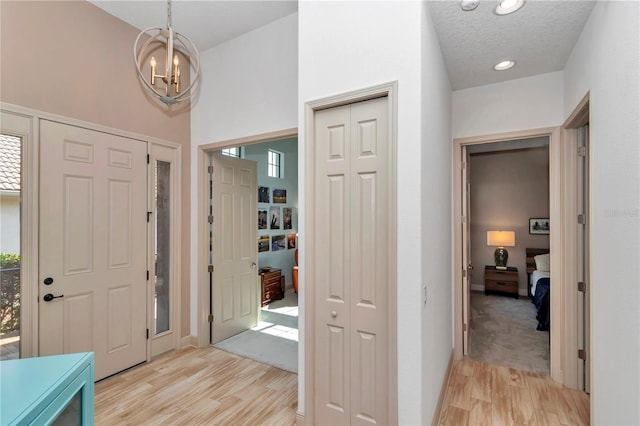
pixel 352 151
pixel 466 252
pixel 235 246
pixel 93 192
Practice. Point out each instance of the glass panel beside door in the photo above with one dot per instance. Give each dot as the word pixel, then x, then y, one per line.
pixel 162 201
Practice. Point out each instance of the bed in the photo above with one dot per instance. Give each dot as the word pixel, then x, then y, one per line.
pixel 539 284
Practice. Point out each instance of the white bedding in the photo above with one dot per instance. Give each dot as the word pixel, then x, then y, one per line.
pixel 535 276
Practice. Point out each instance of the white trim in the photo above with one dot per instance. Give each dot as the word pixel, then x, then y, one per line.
pixel 558 321
pixel 202 243
pixel 188 341
pixel 29 130
pixel 307 252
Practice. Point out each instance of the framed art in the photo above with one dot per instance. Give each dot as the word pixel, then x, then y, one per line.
pixel 263 243
pixel 539 225
pixel 274 213
pixel 291 241
pixel 280 196
pixel 278 242
pixel 263 194
pixel 287 217
pixel 262 219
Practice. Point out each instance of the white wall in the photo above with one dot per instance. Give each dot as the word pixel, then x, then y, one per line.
pixel 523 104
pixel 436 214
pixel 605 61
pixel 345 46
pixel 249 86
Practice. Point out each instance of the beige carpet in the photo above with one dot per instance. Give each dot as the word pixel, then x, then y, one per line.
pixel 503 332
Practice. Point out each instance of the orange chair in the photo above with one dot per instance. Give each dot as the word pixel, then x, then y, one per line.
pixel 294 273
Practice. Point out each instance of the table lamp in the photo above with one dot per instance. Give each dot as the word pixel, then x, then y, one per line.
pixel 501 239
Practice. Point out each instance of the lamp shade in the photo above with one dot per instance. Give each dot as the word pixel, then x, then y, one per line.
pixel 501 238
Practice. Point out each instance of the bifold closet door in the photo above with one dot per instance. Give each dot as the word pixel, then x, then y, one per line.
pixel 352 261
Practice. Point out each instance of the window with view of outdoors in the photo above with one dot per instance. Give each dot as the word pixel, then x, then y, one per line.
pixel 10 247
pixel 233 152
pixel 274 164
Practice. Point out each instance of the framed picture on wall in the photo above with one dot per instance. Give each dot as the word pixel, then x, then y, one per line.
pixel 278 242
pixel 291 241
pixel 274 217
pixel 539 225
pixel 263 243
pixel 287 217
pixel 262 219
pixel 263 194
pixel 280 196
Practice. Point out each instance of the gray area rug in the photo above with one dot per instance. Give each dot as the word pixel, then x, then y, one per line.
pixel 274 340
pixel 503 332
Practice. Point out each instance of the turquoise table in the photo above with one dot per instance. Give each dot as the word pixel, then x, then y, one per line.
pixel 47 390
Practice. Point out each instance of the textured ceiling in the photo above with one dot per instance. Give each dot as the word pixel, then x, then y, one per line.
pixel 206 23
pixel 539 37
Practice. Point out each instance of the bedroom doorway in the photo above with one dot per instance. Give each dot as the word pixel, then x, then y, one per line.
pixel 508 184
pixel 554 215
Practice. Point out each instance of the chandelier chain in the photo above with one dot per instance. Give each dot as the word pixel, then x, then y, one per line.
pixel 168 14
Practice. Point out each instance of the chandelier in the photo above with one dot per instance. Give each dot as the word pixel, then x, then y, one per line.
pixel 173 43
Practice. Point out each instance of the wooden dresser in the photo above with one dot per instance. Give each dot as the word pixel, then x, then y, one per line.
pixel 501 280
pixel 271 283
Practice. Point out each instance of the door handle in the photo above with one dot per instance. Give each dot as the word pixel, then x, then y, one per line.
pixel 49 297
pixel 253 265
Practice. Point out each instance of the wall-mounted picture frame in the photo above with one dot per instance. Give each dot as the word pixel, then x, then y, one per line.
pixel 274 217
pixel 263 194
pixel 280 196
pixel 538 225
pixel 262 219
pixel 278 242
pixel 287 217
pixel 291 241
pixel 263 243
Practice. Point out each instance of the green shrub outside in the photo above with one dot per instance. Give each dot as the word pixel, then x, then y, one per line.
pixel 9 293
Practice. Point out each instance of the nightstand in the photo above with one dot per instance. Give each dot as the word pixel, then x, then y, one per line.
pixel 504 281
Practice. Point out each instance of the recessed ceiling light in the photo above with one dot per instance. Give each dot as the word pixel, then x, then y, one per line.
pixel 506 7
pixel 504 65
pixel 468 5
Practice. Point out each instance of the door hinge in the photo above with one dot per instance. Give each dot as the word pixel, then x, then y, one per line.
pixel 147 334
pixel 582 354
pixel 582 287
pixel 147 275
pixel 582 219
pixel 582 151
pixel 464 165
pixel 464 327
pixel 149 214
pixel 210 219
pixel 464 273
pixel 210 169
pixel 464 219
pixel 210 318
pixel 210 268
pixel 148 159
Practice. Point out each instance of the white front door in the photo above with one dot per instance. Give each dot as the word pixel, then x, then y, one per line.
pixel 93 229
pixel 235 246
pixel 350 283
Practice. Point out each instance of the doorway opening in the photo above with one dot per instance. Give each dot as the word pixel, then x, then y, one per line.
pixel 272 338
pixel 508 193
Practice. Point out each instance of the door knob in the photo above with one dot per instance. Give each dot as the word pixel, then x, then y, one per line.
pixel 334 314
pixel 48 281
pixel 49 297
pixel 253 265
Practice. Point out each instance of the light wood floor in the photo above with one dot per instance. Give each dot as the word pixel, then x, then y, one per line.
pixel 197 387
pixel 484 394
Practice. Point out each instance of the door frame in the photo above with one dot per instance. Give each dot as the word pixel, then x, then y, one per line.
pixel 307 252
pixel 30 214
pixel 201 180
pixel 561 320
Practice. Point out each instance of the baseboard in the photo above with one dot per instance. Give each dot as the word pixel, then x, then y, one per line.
pixel 299 418
pixel 187 341
pixel 443 392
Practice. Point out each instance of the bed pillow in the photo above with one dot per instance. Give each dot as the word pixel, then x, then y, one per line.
pixel 542 262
